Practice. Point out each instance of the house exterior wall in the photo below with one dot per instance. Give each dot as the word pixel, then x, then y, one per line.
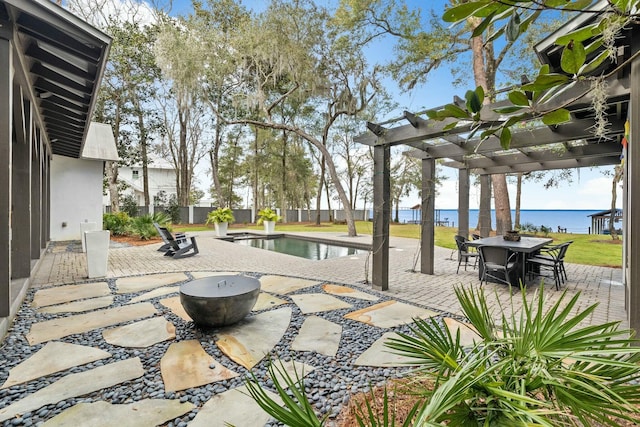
pixel 160 179
pixel 76 196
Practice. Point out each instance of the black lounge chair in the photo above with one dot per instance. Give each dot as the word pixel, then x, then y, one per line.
pixel 179 237
pixel 178 248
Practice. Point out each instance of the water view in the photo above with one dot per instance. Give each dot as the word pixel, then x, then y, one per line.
pixel 575 221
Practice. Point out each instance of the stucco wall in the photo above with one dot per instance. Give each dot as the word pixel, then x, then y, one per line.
pixel 76 196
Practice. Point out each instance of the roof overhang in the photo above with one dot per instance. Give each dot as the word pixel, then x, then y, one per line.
pixel 60 61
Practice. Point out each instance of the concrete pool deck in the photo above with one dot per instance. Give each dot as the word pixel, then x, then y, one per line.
pixel 124 344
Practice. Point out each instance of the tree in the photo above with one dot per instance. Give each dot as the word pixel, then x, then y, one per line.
pixel 405 176
pixel 290 55
pixel 180 56
pixel 425 46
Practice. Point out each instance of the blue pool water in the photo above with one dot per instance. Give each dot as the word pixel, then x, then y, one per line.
pixel 301 248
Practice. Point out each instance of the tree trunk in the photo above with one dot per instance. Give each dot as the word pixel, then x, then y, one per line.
pixel 111 169
pixel 501 203
pixel 144 158
pixel 319 195
pixel 283 186
pixel 518 197
pixel 617 176
pixel 256 206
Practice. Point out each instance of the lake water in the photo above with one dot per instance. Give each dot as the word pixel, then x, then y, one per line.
pixel 575 221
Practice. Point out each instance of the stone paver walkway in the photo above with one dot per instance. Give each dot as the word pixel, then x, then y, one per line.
pixel 147 364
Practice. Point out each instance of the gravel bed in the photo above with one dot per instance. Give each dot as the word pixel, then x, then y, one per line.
pixel 328 387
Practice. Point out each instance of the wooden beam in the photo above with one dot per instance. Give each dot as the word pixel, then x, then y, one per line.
pixel 632 214
pixel 463 203
pixel 6 132
pixel 430 129
pixel 551 165
pixel 427 230
pixel 381 216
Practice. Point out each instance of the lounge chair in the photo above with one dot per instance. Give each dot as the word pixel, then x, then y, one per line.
pixel 179 237
pixel 179 248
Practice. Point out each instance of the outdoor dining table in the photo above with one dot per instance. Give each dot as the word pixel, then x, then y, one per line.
pixel 524 247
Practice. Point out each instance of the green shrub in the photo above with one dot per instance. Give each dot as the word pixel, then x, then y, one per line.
pixel 129 205
pixel 143 227
pixel 117 223
pixel 533 367
pixel 162 218
pixel 173 209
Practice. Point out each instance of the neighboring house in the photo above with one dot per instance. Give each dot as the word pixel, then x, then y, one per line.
pixel 162 177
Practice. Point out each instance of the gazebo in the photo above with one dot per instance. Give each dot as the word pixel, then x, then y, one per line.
pixel 534 148
pixel 600 221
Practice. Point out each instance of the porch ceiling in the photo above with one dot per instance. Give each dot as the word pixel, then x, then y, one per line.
pixel 63 59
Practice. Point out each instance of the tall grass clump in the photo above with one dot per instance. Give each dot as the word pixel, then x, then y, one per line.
pixel 531 367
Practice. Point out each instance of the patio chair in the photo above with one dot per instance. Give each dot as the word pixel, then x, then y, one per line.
pixel 163 232
pixel 179 248
pixel 464 253
pixel 550 258
pixel 497 263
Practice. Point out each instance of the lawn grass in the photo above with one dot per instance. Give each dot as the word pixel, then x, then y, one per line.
pixel 587 249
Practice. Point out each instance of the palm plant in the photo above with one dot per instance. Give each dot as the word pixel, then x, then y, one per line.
pixel 532 368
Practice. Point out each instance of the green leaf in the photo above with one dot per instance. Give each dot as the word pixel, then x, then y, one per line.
pixel 578 4
pixel 505 138
pixel 518 98
pixel 483 25
pixel 584 33
pixel 595 63
pixel 513 27
pixel 573 57
pixel 544 82
pixel 433 115
pixel 556 3
pixel 450 126
pixel 507 110
pixel 474 103
pixel 556 117
pixel 463 11
pixel 455 111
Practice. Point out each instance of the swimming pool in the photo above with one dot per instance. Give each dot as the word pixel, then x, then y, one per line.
pixel 304 248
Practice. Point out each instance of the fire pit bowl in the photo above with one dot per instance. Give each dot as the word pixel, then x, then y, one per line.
pixel 219 300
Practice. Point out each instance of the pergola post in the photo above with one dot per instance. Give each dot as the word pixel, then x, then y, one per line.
pixel 427 233
pixel 485 205
pixel 6 88
pixel 381 215
pixel 463 203
pixel 632 233
pixel 36 193
pixel 21 197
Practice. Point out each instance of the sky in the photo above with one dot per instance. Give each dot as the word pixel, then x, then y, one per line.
pixel 589 189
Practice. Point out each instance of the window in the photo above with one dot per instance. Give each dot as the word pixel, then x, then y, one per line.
pixel 135 174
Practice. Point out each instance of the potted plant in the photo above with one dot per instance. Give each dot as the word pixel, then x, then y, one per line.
pixel 220 218
pixel 269 217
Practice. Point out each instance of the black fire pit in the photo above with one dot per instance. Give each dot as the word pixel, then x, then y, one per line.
pixel 219 300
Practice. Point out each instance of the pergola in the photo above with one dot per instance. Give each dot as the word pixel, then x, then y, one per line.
pixel 536 147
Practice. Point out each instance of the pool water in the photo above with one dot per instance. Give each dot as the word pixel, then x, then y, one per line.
pixel 301 248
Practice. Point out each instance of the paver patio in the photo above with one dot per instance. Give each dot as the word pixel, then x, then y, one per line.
pixel 332 293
